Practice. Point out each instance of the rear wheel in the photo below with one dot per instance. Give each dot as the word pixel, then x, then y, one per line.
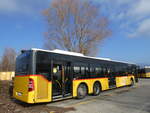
pixel 96 89
pixel 81 91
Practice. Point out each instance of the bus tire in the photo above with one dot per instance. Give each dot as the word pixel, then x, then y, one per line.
pixel 132 82
pixel 81 91
pixel 96 88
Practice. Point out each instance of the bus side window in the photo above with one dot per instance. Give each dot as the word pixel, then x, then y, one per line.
pixel 92 72
pixel 113 71
pixel 116 71
pixel 108 71
pixel 83 72
pixel 98 71
pixel 87 71
pixel 76 71
pixel 102 71
pixel 120 71
pixel 105 71
pixel 43 65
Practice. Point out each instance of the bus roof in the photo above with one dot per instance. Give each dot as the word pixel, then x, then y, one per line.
pixel 77 54
pixel 147 67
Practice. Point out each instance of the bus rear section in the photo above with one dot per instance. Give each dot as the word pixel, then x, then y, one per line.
pixel 32 89
pixel 24 89
pixel 28 86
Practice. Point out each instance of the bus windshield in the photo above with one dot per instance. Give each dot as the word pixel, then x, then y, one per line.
pixel 23 62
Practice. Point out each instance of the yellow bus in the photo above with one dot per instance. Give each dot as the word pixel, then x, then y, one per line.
pixel 46 76
pixel 144 72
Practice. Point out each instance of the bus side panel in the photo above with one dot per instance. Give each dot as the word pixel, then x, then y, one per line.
pixel 142 75
pixel 20 90
pixel 148 75
pixel 123 81
pixel 90 83
pixel 105 84
pixel 129 79
pixel 43 90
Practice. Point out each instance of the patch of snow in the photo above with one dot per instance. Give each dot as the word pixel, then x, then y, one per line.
pixel 66 52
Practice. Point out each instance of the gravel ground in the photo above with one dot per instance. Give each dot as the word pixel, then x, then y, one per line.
pixel 9 105
pixel 123 100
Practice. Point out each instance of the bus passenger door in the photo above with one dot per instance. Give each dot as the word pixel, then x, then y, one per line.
pixel 112 79
pixel 56 79
pixel 61 80
pixel 67 82
pixel 112 82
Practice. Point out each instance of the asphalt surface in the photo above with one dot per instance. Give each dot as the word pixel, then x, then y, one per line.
pixel 123 100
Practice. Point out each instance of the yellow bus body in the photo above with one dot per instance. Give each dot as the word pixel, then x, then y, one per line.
pixel 43 88
pixel 144 75
pixel 124 80
pixel 89 83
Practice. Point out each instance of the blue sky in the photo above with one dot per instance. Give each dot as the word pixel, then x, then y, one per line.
pixel 22 26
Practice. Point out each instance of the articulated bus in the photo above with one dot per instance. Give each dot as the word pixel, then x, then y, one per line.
pixel 46 76
pixel 144 72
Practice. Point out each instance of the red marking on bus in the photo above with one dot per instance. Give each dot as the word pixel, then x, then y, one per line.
pixel 91 78
pixel 101 78
pixel 124 76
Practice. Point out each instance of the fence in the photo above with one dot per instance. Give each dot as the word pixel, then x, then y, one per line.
pixel 6 75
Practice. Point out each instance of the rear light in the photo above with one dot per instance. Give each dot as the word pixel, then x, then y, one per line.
pixel 31 84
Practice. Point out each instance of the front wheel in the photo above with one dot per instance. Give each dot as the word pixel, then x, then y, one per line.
pixel 96 89
pixel 81 91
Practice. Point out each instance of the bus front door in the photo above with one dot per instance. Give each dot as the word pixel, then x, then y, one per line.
pixel 61 80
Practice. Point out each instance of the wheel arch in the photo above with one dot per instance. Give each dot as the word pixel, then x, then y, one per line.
pixel 98 83
pixel 84 83
pixel 132 79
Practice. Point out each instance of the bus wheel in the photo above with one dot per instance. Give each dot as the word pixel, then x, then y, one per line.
pixel 96 89
pixel 132 82
pixel 81 91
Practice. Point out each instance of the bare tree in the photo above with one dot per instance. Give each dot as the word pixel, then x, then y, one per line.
pixel 8 60
pixel 75 25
